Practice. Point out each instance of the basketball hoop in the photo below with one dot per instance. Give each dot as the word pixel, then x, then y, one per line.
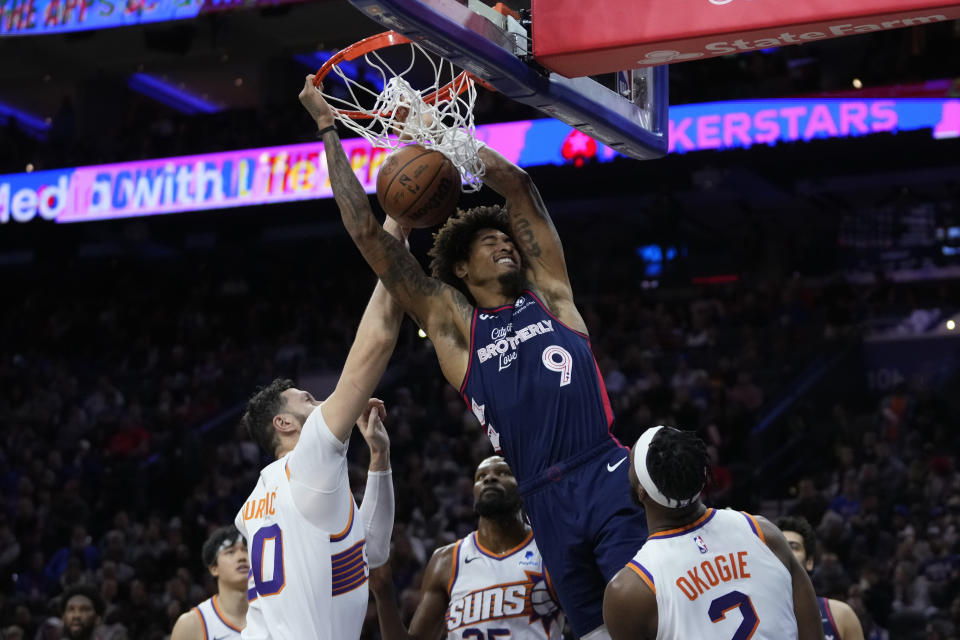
pixel 440 115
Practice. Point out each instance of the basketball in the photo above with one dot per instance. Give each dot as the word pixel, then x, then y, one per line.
pixel 418 187
pixel 541 601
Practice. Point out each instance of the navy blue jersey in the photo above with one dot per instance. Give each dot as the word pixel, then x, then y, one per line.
pixel 534 385
pixel 830 630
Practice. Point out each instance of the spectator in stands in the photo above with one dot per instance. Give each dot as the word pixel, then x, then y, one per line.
pixel 840 622
pixel 81 613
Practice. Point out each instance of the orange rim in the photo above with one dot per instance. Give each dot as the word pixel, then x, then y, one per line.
pixel 381 41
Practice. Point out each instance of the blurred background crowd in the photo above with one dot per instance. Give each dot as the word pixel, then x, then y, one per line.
pixel 124 382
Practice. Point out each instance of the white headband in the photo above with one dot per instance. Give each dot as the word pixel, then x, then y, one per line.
pixel 640 451
pixel 227 543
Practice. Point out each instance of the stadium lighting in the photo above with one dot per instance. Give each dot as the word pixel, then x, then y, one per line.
pixel 32 125
pixel 170 95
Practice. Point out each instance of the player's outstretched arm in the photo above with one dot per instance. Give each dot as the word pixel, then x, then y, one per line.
pixel 428 620
pixel 368 356
pixel 809 625
pixel 629 608
pixel 188 627
pixel 848 624
pixel 377 509
pixel 440 310
pixel 533 230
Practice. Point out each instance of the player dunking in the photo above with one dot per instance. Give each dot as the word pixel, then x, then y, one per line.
pixel 839 620
pixel 309 545
pixel 500 313
pixel 490 584
pixel 703 573
pixel 222 616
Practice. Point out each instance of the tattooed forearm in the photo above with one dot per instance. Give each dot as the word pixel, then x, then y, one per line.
pixel 397 269
pixel 525 235
pixel 347 190
pixel 403 276
pixel 401 269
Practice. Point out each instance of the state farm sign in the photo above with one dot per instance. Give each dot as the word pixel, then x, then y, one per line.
pixel 615 35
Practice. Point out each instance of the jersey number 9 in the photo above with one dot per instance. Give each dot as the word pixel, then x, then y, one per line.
pixel 556 358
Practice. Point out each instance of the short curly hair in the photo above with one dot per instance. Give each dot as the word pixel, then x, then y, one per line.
pixel 261 408
pixel 451 244
pixel 89 592
pixel 800 525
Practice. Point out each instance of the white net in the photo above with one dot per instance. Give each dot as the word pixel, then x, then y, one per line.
pixel 400 114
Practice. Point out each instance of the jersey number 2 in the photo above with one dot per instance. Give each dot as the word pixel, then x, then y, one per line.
pixel 558 359
pixel 267 547
pixel 736 600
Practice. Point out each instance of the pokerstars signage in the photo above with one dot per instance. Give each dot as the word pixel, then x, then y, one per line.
pixel 217 181
pixel 615 35
pixel 743 124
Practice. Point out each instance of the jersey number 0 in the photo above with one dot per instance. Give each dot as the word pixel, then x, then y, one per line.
pixel 266 560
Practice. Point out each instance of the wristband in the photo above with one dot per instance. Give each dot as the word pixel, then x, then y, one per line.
pixel 324 131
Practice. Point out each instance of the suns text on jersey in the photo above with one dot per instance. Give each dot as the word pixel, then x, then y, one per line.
pixel 500 601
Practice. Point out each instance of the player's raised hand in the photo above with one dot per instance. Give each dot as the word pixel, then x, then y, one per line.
pixel 422 121
pixel 313 101
pixel 398 231
pixel 371 427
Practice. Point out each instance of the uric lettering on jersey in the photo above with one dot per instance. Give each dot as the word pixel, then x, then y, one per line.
pixel 710 573
pixel 256 509
pixel 496 602
pixel 509 343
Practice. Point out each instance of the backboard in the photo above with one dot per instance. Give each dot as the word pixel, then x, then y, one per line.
pixel 631 117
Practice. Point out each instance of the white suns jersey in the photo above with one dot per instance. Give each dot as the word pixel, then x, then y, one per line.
pixel 215 624
pixel 306 582
pixel 500 596
pixel 716 578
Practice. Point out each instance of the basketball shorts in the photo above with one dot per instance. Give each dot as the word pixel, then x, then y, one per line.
pixel 586 528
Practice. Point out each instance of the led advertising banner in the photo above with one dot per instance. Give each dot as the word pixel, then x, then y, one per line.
pixel 33 17
pixel 37 17
pixel 299 172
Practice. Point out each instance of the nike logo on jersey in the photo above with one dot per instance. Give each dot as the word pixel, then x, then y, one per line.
pixel 469 560
pixel 613 467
